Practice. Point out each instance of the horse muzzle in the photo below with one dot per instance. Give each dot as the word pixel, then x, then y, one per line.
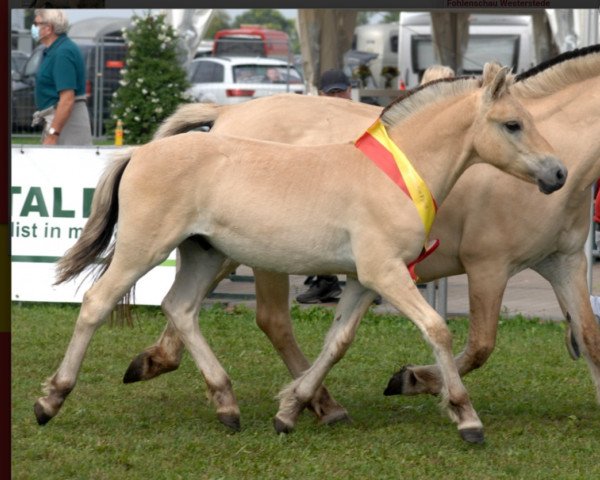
pixel 553 177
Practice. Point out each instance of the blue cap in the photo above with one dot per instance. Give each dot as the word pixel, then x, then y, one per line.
pixel 334 80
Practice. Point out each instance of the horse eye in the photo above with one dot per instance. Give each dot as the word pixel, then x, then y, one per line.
pixel 513 126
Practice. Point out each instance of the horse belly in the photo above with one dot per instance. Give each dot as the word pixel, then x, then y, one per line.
pixel 285 250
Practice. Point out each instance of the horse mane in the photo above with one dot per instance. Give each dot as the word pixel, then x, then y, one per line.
pixel 558 72
pixel 424 95
pixel 547 77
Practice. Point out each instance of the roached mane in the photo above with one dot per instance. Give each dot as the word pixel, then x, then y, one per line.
pixel 427 94
pixel 557 73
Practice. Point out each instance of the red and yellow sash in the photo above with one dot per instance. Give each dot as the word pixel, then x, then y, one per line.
pixel 383 152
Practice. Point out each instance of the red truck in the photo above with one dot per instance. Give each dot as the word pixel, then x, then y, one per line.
pixel 251 41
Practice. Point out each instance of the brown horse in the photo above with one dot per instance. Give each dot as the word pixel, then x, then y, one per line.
pixel 485 227
pixel 165 197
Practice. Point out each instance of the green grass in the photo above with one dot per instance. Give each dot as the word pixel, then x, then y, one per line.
pixel 35 140
pixel 538 406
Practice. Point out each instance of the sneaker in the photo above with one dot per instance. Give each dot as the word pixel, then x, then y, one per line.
pixel 321 290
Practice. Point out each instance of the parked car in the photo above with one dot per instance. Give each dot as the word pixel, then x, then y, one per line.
pixel 228 80
pixel 17 60
pixel 22 91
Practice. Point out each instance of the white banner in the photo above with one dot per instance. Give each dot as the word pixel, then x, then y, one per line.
pixel 51 193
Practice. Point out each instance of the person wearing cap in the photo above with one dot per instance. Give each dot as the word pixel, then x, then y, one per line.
pixel 60 83
pixel 326 288
pixel 335 83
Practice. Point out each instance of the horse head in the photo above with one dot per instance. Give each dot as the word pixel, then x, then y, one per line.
pixel 505 134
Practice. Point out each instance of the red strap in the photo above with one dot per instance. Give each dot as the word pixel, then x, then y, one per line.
pixel 422 256
pixel 383 158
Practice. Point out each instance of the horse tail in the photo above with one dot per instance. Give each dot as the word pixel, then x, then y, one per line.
pixel 187 117
pixel 98 230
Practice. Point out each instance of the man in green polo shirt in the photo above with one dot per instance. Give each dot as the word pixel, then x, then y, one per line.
pixel 60 82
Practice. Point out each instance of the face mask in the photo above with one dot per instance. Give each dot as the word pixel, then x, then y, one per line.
pixel 35 32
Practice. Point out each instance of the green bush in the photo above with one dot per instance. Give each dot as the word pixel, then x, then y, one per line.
pixel 153 82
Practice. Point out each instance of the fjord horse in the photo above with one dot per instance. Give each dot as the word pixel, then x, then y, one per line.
pixel 262 204
pixel 485 227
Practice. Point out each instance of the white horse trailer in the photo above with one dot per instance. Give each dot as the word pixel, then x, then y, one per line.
pixel 381 39
pixel 507 39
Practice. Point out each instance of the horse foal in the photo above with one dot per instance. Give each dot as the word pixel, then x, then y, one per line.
pixel 300 210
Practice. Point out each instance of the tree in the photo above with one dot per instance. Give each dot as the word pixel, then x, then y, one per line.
pixel 273 19
pixel 266 17
pixel 364 18
pixel 385 16
pixel 219 21
pixel 153 82
pixel 390 16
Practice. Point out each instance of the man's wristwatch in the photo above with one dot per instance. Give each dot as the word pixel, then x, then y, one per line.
pixel 53 131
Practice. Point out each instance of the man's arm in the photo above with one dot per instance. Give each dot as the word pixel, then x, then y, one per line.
pixel 63 112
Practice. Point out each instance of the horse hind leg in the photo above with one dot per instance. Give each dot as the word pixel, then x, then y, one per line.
pixel 568 276
pixel 487 283
pixel 125 269
pixel 162 357
pixel 199 267
pixel 165 355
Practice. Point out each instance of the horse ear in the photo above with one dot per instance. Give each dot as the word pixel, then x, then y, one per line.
pixel 495 80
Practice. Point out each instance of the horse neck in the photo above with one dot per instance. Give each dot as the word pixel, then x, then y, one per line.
pixel 438 141
pixel 571 117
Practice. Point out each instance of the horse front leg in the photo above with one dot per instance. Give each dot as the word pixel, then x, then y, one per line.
pixel 354 302
pixel 165 355
pixel 396 286
pixel 568 276
pixel 273 318
pixel 487 282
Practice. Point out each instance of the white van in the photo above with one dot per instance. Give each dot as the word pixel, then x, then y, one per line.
pixel 507 39
pixel 380 39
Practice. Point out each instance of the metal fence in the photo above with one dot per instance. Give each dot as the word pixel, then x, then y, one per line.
pixel 103 61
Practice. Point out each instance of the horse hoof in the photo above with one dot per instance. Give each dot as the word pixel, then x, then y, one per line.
pixel 396 384
pixel 41 416
pixel 281 426
pixel 144 367
pixel 339 416
pixel 472 435
pixel 230 420
pixel 135 370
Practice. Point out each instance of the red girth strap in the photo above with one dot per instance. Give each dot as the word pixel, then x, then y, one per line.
pixel 422 256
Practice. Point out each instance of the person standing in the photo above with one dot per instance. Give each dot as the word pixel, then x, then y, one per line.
pixel 60 83
pixel 326 288
pixel 335 83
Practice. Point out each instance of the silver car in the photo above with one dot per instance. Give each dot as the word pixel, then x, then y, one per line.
pixel 228 80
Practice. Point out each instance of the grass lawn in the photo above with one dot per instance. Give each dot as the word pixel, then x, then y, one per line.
pixel 35 140
pixel 537 405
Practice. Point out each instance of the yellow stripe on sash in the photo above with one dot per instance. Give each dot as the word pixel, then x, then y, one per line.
pixel 420 194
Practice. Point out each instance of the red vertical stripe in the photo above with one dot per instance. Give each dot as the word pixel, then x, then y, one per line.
pixel 383 158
